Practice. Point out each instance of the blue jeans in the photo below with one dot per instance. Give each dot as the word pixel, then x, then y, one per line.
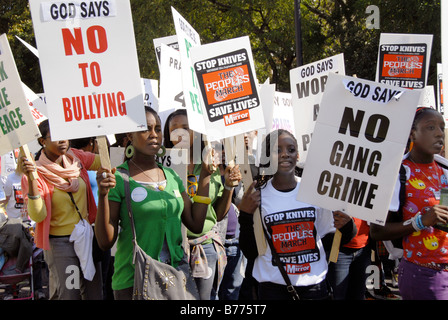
pixel 348 275
pixel 232 279
pixel 207 287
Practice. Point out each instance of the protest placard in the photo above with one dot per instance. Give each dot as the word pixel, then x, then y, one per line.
pixel 150 89
pixel 170 41
pixel 89 66
pixel 228 87
pixel 403 60
pixel 267 96
pixel 188 38
pixel 17 126
pixel 171 90
pixel 439 93
pixel 283 115
pixel 357 147
pixel 176 159
pixel 308 84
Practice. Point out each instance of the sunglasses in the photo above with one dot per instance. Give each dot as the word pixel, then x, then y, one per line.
pixel 192 185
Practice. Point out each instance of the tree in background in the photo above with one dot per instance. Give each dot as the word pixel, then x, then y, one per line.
pixel 329 27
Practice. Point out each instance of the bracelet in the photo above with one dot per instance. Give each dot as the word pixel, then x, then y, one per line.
pixel 200 199
pixel 228 188
pixel 33 197
pixel 419 222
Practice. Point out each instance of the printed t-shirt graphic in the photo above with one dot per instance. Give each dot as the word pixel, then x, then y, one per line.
pixel 422 192
pixel 293 234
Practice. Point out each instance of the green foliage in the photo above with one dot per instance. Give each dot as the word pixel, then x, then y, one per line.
pixel 329 27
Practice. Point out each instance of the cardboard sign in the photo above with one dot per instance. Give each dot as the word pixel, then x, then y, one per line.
pixel 267 96
pixel 89 66
pixel 308 84
pixel 357 147
pixel 17 126
pixel 189 38
pixel 443 69
pixel 151 93
pixel 403 60
pixel 176 159
pixel 439 93
pixel 229 90
pixel 283 115
pixel 170 41
pixel 171 90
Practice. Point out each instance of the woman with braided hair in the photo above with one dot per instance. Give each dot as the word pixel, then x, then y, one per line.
pixel 296 229
pixel 423 270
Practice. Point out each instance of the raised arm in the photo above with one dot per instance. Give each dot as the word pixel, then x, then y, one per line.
pixel 107 217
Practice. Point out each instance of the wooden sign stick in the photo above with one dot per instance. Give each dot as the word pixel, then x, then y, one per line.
pixel 104 152
pixel 230 149
pixel 334 253
pixel 247 181
pixel 25 151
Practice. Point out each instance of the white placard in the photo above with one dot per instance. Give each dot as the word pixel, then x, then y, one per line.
pixel 170 41
pixel 189 38
pixel 357 147
pixel 439 92
pixel 89 67
pixel 176 159
pixel 283 115
pixel 17 126
pixel 150 93
pixel 308 84
pixel 171 90
pixel 403 59
pixel 267 96
pixel 226 76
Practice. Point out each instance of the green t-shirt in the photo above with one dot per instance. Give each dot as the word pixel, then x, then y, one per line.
pixel 215 191
pixel 157 214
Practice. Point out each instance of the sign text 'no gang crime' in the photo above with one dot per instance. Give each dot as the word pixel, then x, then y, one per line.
pixel 357 147
pixel 94 50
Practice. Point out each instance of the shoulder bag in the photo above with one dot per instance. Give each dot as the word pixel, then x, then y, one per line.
pixel 155 280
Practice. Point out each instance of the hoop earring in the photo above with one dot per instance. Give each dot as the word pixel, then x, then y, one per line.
pixel 129 152
pixel 161 154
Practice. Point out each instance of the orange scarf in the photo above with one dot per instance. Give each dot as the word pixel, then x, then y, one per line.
pixel 63 177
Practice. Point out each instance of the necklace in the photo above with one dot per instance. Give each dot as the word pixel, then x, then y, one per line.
pixel 439 186
pixel 159 184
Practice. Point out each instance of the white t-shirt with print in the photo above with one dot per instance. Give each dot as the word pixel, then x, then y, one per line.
pixel 296 229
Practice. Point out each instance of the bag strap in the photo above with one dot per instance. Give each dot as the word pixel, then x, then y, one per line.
pixel 280 265
pixel 127 191
pixel 73 200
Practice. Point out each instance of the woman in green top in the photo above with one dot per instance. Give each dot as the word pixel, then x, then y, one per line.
pixel 159 204
pixel 207 253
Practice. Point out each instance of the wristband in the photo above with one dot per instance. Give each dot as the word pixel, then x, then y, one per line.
pixel 418 220
pixel 200 199
pixel 228 188
pixel 33 197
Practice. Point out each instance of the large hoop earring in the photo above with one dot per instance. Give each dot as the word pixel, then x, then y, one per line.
pixel 161 154
pixel 129 152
